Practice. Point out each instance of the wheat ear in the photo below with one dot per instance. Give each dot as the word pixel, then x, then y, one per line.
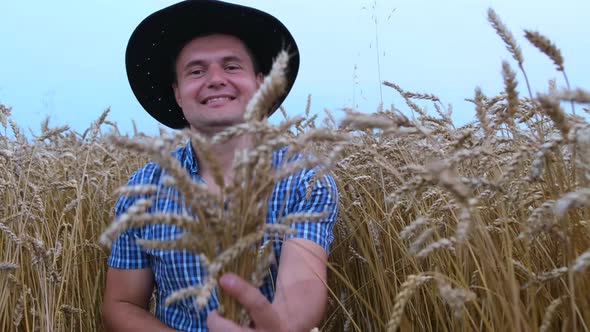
pixel 506 36
pixel 402 298
pixel 546 46
pixel 272 88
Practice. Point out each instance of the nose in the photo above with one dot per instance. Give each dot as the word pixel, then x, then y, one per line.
pixel 216 77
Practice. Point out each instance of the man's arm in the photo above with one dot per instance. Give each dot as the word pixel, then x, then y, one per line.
pixel 301 292
pixel 126 301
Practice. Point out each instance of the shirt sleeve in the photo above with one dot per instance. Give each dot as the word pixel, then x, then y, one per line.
pixel 125 252
pixel 322 198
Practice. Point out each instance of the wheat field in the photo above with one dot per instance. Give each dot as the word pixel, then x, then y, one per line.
pixel 482 227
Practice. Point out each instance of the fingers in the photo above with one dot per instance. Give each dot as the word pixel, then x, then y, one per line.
pixel 259 308
pixel 216 323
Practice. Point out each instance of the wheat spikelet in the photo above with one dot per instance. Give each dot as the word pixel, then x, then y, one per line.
pixel 582 262
pixel 551 275
pixel 405 94
pixel 510 85
pixel 265 259
pixel 538 163
pixel 506 36
pixel 464 223
pixel 71 309
pixel 308 106
pixel 358 121
pixel 303 217
pixel 523 269
pixel 407 289
pixel 270 229
pixel 319 135
pixel 349 313
pixel 11 235
pixel 577 95
pixel 272 88
pixel 5 110
pixel 417 245
pixel 516 160
pixel 8 266
pixel 477 183
pixel 374 231
pixel 582 150
pixel 132 220
pixel 95 127
pixel 439 244
pixel 551 107
pixel 16 131
pixel 577 199
pixel 546 46
pixel 4 114
pixel 185 241
pixel 426 96
pixel 354 254
pixel 231 253
pixel 540 220
pixel 447 179
pixel 550 313
pixel 6 153
pixel 433 120
pixel 202 292
pixel 52 132
pixel 454 297
pixel 72 205
pixel 20 307
pixel 141 189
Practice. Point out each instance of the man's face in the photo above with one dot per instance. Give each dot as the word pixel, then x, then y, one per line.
pixel 215 79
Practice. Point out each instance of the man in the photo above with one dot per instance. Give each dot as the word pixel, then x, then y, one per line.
pixel 196 64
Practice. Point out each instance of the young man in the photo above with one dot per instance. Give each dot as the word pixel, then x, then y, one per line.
pixel 196 64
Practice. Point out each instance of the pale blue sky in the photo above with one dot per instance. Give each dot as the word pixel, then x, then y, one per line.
pixel 65 58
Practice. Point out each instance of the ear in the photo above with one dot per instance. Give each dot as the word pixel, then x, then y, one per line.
pixel 176 94
pixel 259 79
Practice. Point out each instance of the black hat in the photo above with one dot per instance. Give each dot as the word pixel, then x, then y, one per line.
pixel 157 40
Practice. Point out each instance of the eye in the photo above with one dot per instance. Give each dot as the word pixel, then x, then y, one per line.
pixel 232 67
pixel 197 72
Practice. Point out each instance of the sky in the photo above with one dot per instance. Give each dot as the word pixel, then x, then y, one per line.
pixel 65 58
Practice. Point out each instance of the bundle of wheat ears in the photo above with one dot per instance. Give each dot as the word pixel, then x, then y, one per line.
pixel 483 227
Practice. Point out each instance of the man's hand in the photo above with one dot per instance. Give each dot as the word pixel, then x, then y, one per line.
pixel 263 315
pixel 300 297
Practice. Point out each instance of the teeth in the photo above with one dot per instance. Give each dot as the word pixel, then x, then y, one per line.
pixel 217 99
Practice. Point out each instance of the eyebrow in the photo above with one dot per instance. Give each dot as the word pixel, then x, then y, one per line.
pixel 198 62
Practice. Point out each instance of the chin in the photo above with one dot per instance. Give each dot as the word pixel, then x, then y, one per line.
pixel 207 124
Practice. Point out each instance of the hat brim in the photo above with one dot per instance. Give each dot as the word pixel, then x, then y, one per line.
pixel 155 43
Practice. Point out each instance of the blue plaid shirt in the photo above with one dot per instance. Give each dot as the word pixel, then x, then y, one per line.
pixel 177 269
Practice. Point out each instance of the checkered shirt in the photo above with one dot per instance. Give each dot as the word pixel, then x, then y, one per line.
pixel 177 269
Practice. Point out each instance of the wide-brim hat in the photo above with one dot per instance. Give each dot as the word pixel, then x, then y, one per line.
pixel 157 40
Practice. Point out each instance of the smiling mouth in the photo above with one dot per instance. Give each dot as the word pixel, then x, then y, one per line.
pixel 212 100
